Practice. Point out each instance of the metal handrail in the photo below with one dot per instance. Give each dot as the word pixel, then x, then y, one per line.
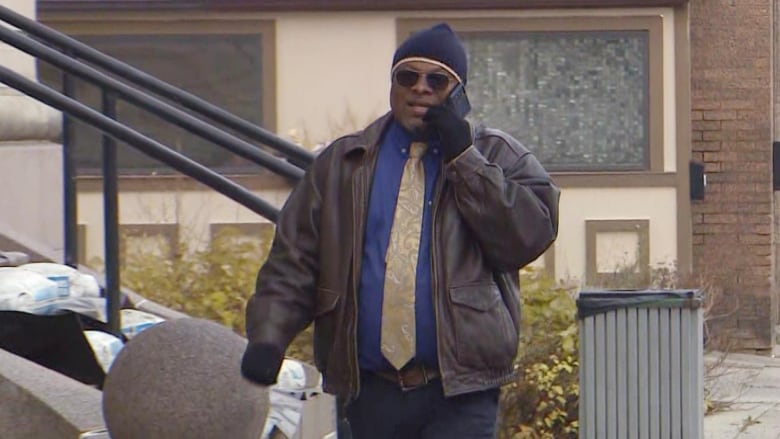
pixel 297 155
pixel 146 145
pixel 151 104
pixel 42 42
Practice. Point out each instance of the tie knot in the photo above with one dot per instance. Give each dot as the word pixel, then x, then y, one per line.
pixel 417 149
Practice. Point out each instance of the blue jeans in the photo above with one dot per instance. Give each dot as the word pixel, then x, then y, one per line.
pixel 384 411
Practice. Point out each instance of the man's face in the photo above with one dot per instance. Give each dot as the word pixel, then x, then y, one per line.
pixel 410 100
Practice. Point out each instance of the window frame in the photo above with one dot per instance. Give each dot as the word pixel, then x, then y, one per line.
pixel 653 24
pixel 172 24
pixel 594 227
pixel 169 232
pixel 341 5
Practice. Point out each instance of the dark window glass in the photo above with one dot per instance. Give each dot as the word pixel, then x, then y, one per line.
pixel 223 69
pixel 579 100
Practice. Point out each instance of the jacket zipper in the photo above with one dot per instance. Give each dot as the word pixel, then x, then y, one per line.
pixel 357 196
pixel 434 261
pixel 360 199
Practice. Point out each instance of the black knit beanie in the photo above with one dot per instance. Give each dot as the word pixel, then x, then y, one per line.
pixel 438 45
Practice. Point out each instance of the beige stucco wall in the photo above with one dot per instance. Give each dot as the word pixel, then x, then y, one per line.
pixel 192 210
pixel 22 118
pixel 12 58
pixel 579 205
pixel 24 7
pixel 332 78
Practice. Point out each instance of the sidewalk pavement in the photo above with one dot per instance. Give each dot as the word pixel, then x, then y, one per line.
pixel 747 387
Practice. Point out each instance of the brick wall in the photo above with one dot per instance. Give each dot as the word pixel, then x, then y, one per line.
pixel 731 80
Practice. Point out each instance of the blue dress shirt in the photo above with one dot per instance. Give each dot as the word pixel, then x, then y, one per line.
pixel 393 153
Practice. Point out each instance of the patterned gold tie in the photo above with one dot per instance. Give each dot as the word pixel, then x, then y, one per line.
pixel 398 327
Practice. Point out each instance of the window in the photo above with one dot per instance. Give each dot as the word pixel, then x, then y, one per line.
pixel 141 240
pixel 616 250
pixel 225 65
pixel 584 94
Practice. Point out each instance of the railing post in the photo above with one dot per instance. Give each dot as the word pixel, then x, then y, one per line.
pixel 111 217
pixel 69 180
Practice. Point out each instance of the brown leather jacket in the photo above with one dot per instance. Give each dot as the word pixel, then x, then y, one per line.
pixel 496 210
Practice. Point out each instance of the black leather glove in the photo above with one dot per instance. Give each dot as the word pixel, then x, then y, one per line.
pixel 454 132
pixel 261 363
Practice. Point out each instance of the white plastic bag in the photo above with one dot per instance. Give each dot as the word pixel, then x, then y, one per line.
pixel 105 346
pixel 286 399
pixel 135 321
pixel 284 414
pixel 80 284
pixel 291 377
pixel 22 290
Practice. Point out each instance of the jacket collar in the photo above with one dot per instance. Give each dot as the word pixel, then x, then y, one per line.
pixel 370 136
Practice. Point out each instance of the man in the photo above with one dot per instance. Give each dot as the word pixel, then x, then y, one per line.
pixel 408 263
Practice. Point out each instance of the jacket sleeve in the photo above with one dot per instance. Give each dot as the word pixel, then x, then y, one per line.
pixel 509 201
pixel 284 299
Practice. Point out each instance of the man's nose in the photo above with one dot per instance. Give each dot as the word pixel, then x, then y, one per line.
pixel 421 86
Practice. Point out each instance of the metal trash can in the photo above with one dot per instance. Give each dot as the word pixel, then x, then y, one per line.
pixel 641 364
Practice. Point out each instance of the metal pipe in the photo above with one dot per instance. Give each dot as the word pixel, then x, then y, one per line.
pixel 146 145
pixel 111 217
pixel 190 101
pixel 152 104
pixel 70 199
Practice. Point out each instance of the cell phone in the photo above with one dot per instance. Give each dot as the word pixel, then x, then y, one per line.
pixel 458 101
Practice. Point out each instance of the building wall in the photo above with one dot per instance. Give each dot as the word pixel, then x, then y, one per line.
pixel 30 165
pixel 178 208
pixel 731 86
pixel 728 66
pixel 581 205
pixel 332 76
pixel 775 134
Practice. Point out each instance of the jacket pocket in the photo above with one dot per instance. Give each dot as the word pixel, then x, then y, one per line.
pixel 485 335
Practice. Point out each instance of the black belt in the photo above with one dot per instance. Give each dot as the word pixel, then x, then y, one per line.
pixel 411 376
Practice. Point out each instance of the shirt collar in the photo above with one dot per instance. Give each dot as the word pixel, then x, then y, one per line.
pixel 400 139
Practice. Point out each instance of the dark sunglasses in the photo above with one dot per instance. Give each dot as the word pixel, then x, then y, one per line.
pixel 437 81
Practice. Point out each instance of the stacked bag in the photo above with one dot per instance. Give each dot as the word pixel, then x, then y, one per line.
pixel 44 288
pixel 47 307
pixel 48 289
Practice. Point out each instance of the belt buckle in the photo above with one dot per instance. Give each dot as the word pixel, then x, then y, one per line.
pixel 406 388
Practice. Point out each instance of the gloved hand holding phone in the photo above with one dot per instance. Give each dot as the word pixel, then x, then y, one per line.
pixel 448 122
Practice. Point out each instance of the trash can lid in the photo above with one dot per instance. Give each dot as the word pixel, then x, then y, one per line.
pixel 594 302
